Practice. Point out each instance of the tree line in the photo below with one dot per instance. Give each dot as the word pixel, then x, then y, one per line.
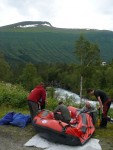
pixel 89 70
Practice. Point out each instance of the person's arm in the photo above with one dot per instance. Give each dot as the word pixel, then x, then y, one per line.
pixel 100 103
pixel 81 111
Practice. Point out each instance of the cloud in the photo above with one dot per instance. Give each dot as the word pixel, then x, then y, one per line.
pixel 97 14
pixel 22 10
pixel 85 14
pixel 26 6
pixel 103 6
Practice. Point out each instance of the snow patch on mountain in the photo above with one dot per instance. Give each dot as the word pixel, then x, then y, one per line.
pixel 33 25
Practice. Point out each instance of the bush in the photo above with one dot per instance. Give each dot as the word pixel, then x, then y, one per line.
pixel 52 103
pixel 14 95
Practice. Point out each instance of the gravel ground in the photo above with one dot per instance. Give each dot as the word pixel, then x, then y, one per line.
pixel 14 138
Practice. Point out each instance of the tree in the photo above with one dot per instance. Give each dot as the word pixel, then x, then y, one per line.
pixel 88 54
pixel 5 70
pixel 29 77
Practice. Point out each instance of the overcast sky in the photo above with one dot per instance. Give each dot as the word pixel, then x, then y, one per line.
pixel 93 14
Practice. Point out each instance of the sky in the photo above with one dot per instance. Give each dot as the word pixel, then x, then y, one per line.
pixel 88 14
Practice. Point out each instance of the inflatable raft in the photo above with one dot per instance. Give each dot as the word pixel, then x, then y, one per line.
pixel 78 132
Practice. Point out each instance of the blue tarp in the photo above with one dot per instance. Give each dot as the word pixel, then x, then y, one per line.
pixel 7 118
pixel 16 119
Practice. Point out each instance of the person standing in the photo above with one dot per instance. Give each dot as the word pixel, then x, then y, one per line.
pixel 37 99
pixel 62 113
pixel 104 104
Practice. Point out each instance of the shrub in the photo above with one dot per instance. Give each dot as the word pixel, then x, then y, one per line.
pixel 52 103
pixel 14 95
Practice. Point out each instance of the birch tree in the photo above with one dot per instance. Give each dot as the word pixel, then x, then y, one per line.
pixel 88 54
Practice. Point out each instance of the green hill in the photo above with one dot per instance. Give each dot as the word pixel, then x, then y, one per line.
pixel 40 42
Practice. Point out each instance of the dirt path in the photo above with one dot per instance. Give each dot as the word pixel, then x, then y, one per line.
pixel 14 138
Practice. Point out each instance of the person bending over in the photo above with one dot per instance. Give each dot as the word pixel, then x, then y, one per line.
pixel 104 104
pixel 89 108
pixel 37 99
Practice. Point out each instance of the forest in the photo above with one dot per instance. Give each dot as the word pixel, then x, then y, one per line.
pixel 94 73
pixel 48 44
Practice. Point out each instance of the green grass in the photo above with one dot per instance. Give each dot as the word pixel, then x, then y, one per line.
pixel 5 109
pixel 105 137
pixel 105 132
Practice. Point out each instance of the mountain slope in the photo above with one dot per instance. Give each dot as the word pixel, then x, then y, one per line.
pixel 40 42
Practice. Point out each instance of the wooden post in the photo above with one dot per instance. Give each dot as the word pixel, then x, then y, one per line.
pixel 81 80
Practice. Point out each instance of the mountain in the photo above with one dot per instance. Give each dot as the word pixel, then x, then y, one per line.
pixel 27 24
pixel 40 42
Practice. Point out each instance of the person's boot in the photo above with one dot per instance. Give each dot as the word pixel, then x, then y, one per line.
pixel 103 123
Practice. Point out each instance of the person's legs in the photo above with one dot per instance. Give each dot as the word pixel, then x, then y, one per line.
pixel 43 106
pixel 66 121
pixel 93 115
pixel 103 122
pixel 57 116
pixel 106 107
pixel 33 107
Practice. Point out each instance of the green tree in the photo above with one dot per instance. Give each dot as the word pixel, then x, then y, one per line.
pixel 5 70
pixel 29 77
pixel 109 75
pixel 88 54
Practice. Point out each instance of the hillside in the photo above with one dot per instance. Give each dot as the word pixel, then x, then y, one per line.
pixel 40 42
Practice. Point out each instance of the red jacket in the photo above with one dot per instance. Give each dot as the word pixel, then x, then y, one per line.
pixel 38 94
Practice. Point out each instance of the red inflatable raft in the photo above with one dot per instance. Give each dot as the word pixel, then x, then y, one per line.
pixel 78 132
